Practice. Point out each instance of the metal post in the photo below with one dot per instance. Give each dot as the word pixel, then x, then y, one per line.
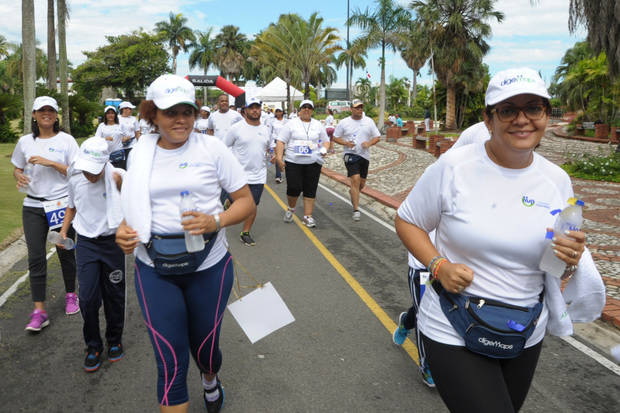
pixel 348 60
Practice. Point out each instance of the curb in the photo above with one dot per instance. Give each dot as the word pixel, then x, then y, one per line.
pixel 611 311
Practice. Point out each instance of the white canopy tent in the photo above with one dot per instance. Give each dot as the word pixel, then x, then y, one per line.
pixel 275 92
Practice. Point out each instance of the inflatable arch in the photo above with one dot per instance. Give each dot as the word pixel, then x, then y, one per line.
pixel 221 83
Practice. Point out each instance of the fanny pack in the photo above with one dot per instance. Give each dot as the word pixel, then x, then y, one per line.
pixel 351 158
pixel 170 256
pixel 117 156
pixel 489 327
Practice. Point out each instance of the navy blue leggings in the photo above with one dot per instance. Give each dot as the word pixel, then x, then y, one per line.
pixel 184 312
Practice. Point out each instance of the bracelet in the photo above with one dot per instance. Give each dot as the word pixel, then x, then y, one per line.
pixel 569 272
pixel 439 264
pixel 217 222
pixel 430 264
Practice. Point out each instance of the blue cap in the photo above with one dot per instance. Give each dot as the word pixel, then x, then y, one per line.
pixel 184 193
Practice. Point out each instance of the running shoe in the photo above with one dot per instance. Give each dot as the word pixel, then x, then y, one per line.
pixel 309 221
pixel 288 215
pixel 216 405
pixel 400 334
pixel 115 352
pixel 278 180
pixel 426 377
pixel 356 215
pixel 247 239
pixel 92 362
pixel 38 320
pixel 72 304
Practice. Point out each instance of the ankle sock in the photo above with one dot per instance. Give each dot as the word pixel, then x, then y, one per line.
pixel 212 393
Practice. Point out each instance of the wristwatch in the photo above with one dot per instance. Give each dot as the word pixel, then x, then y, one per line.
pixel 217 222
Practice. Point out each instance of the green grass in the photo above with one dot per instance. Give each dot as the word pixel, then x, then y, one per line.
pixel 11 200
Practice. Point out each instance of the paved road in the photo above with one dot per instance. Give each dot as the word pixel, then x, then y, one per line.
pixel 337 356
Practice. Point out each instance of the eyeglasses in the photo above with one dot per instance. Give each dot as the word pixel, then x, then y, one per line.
pixel 508 113
pixel 306 107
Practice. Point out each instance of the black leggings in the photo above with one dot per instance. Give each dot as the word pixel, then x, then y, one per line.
pixel 302 178
pixel 469 382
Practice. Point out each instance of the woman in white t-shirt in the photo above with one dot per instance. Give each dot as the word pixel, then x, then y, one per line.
pixel 202 123
pixel 182 311
pixel 130 129
pixel 306 144
pixel 489 242
pixel 275 126
pixel 41 159
pixel 110 130
pixel 330 126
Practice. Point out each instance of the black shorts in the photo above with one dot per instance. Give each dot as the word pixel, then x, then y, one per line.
pixel 257 191
pixel 356 165
pixel 302 178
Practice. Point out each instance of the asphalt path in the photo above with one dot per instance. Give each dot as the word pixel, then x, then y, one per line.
pixel 343 282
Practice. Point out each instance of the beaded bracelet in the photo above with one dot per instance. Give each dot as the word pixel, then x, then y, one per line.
pixel 437 266
pixel 430 264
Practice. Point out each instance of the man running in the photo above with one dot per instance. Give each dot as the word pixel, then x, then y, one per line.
pixel 357 134
pixel 222 119
pixel 249 141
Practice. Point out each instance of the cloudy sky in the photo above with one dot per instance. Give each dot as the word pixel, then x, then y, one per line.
pixel 530 35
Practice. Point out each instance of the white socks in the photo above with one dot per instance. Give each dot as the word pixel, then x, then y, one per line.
pixel 212 393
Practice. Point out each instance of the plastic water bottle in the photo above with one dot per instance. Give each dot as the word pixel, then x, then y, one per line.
pixel 54 237
pixel 193 242
pixel 570 218
pixel 28 171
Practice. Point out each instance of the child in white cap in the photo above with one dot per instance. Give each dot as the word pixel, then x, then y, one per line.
pixel 94 210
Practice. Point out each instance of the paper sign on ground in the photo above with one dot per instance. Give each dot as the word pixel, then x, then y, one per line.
pixel 261 312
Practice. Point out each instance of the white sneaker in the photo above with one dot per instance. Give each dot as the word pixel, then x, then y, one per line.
pixel 288 215
pixel 309 222
pixel 356 215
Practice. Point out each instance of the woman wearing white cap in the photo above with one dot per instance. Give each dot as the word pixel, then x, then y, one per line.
pixel 110 130
pixel 41 159
pixel 275 126
pixel 488 245
pixel 306 144
pixel 202 123
pixel 183 298
pixel 130 128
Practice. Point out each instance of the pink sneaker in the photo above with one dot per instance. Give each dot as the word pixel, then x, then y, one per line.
pixel 72 305
pixel 38 320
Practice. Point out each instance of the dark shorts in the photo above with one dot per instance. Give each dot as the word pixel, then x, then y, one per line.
pixel 257 191
pixel 357 166
pixel 302 178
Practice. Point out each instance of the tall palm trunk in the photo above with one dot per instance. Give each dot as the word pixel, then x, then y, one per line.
pixel 28 60
pixel 51 46
pixel 62 59
pixel 382 89
pixel 451 107
pixel 415 88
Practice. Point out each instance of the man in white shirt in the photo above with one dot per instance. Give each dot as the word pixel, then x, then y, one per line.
pixel 222 119
pixel 357 134
pixel 249 141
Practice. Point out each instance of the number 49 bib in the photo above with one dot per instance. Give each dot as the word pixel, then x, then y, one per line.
pixel 55 211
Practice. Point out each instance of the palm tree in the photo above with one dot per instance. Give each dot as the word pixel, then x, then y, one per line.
pixel 325 76
pixel 203 54
pixel 4 46
pixel 355 55
pixel 229 56
pixel 380 28
pixel 51 46
pixel 415 51
pixel 63 16
pixel 14 64
pixel 363 86
pixel 177 34
pixel 456 31
pixel 28 60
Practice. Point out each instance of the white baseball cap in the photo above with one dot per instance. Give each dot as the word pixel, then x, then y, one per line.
pixel 108 108
pixel 169 90
pixel 93 155
pixel 205 108
pixel 512 82
pixel 356 102
pixel 306 102
pixel 126 104
pixel 252 101
pixel 42 101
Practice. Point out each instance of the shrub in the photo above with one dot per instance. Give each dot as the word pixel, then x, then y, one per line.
pixel 6 133
pixel 601 168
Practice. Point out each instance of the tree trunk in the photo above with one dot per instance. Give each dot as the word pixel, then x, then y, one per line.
pixel 450 107
pixel 62 56
pixel 382 90
pixel 288 97
pixel 415 87
pixel 174 63
pixel 51 46
pixel 28 60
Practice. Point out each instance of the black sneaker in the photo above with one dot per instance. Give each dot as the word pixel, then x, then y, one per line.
pixel 115 352
pixel 247 239
pixel 216 405
pixel 92 361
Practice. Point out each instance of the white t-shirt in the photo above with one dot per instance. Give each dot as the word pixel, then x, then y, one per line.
pixel 115 132
pixel 492 219
pixel 145 127
pixel 329 121
pixel 201 124
pixel 275 128
pixel 204 175
pixel 89 200
pixel 220 122
pixel 303 141
pixel 129 127
pixel 45 182
pixel 249 144
pixel 359 131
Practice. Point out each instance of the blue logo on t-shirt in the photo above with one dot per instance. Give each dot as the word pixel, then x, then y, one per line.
pixel 183 165
pixel 527 202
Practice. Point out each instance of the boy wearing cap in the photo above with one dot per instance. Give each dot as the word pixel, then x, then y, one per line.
pixel 357 134
pixel 94 211
pixel 249 141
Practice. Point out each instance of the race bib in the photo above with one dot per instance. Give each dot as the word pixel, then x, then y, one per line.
pixel 55 211
pixel 424 277
pixel 303 148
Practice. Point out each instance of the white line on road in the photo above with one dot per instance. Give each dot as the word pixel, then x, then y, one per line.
pixel 8 293
pixel 578 345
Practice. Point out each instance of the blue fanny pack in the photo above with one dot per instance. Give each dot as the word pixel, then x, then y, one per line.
pixel 489 327
pixel 117 156
pixel 170 256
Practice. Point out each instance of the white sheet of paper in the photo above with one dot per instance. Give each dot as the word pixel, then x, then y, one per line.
pixel 261 312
